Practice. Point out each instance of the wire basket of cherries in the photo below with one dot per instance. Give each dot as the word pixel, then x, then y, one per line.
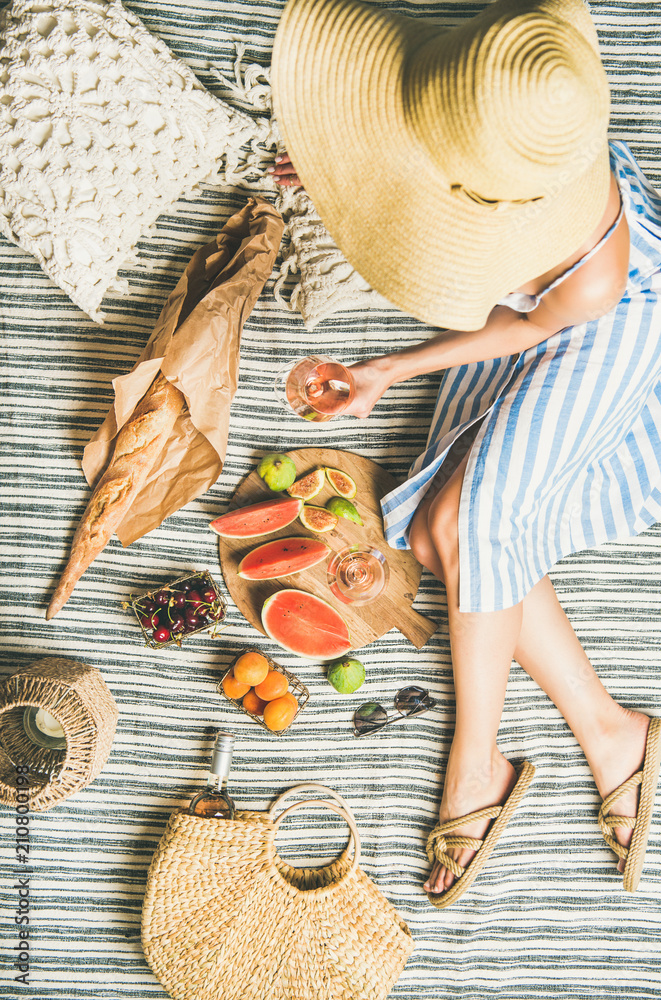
pixel 185 607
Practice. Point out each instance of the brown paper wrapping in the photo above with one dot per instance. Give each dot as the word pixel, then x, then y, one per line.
pixel 195 343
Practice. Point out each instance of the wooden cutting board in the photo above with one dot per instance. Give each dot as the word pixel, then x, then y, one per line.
pixel 368 622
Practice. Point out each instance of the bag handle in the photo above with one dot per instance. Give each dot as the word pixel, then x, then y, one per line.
pixel 342 810
pixel 310 786
pixel 305 786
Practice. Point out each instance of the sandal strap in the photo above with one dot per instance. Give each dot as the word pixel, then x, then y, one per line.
pixel 489 812
pixel 608 821
pixel 438 843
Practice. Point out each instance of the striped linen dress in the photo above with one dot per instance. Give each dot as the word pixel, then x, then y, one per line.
pixel 567 435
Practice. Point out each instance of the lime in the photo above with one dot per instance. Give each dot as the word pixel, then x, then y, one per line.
pixel 346 675
pixel 344 508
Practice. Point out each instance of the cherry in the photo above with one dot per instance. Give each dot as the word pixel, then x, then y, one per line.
pixel 187 606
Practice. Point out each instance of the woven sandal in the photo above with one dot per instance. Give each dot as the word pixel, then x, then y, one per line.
pixel 634 855
pixel 438 843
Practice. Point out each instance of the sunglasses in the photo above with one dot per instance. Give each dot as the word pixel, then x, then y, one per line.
pixel 371 716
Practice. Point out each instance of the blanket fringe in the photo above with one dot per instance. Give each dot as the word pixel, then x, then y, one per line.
pixel 254 142
pixel 325 281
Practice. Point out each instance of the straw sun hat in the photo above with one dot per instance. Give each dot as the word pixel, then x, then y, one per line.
pixel 450 166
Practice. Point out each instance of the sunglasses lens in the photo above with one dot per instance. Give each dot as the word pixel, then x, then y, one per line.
pixel 412 701
pixel 369 717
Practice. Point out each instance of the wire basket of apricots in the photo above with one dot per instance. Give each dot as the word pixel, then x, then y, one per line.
pixel 264 690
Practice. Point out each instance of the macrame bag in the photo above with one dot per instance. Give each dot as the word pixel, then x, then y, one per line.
pixel 224 918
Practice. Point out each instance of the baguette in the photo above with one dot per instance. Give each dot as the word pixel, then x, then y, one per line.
pixel 138 445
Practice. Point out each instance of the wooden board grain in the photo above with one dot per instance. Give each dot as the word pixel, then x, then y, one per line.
pixel 368 622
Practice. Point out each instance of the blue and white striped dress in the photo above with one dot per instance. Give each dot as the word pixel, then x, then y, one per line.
pixel 567 453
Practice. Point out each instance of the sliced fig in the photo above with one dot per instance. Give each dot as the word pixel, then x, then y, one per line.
pixel 307 487
pixel 342 483
pixel 317 519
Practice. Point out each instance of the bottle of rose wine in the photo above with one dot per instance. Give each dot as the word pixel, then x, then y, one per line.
pixel 213 802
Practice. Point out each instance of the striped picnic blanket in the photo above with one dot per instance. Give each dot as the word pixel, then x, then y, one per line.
pixel 547 917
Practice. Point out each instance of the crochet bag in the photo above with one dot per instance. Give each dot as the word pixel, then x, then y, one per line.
pixel 224 918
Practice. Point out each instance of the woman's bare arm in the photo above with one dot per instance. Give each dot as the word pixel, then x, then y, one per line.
pixel 593 290
pixel 505 332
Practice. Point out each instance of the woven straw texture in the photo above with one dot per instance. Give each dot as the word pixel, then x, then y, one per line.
pixel 440 839
pixel 225 919
pixel 547 918
pixel 78 697
pixel 498 206
pixel 647 778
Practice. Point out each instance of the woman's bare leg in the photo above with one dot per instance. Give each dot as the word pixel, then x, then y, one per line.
pixel 482 645
pixel 612 737
pixel 542 640
pixel 420 541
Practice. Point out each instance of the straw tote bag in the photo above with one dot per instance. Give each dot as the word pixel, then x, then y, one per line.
pixel 224 918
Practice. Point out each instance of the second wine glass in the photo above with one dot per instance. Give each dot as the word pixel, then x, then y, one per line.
pixel 358 574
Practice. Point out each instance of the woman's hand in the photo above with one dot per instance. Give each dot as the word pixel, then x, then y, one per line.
pixel 284 172
pixel 371 379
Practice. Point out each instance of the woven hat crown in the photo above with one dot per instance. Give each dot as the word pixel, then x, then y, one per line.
pixel 504 104
pixel 474 159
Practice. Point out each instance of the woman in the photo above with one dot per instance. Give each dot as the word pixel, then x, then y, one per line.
pixel 545 435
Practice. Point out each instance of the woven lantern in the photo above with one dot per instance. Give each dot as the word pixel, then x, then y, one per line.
pixel 77 697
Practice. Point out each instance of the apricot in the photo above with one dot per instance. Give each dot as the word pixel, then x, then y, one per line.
pixel 279 713
pixel 233 688
pixel 251 668
pixel 274 685
pixel 253 703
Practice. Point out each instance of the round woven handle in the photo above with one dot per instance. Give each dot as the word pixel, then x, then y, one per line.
pixel 342 810
pixel 306 786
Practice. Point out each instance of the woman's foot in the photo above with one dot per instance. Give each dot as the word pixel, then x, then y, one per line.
pixel 469 786
pixel 614 755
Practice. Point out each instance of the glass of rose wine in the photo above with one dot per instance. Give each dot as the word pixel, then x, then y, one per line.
pixel 358 574
pixel 316 388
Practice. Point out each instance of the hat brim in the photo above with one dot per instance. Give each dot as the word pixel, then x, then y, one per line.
pixel 337 75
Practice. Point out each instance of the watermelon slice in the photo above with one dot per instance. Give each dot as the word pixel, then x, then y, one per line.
pixel 305 625
pixel 257 519
pixel 282 557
